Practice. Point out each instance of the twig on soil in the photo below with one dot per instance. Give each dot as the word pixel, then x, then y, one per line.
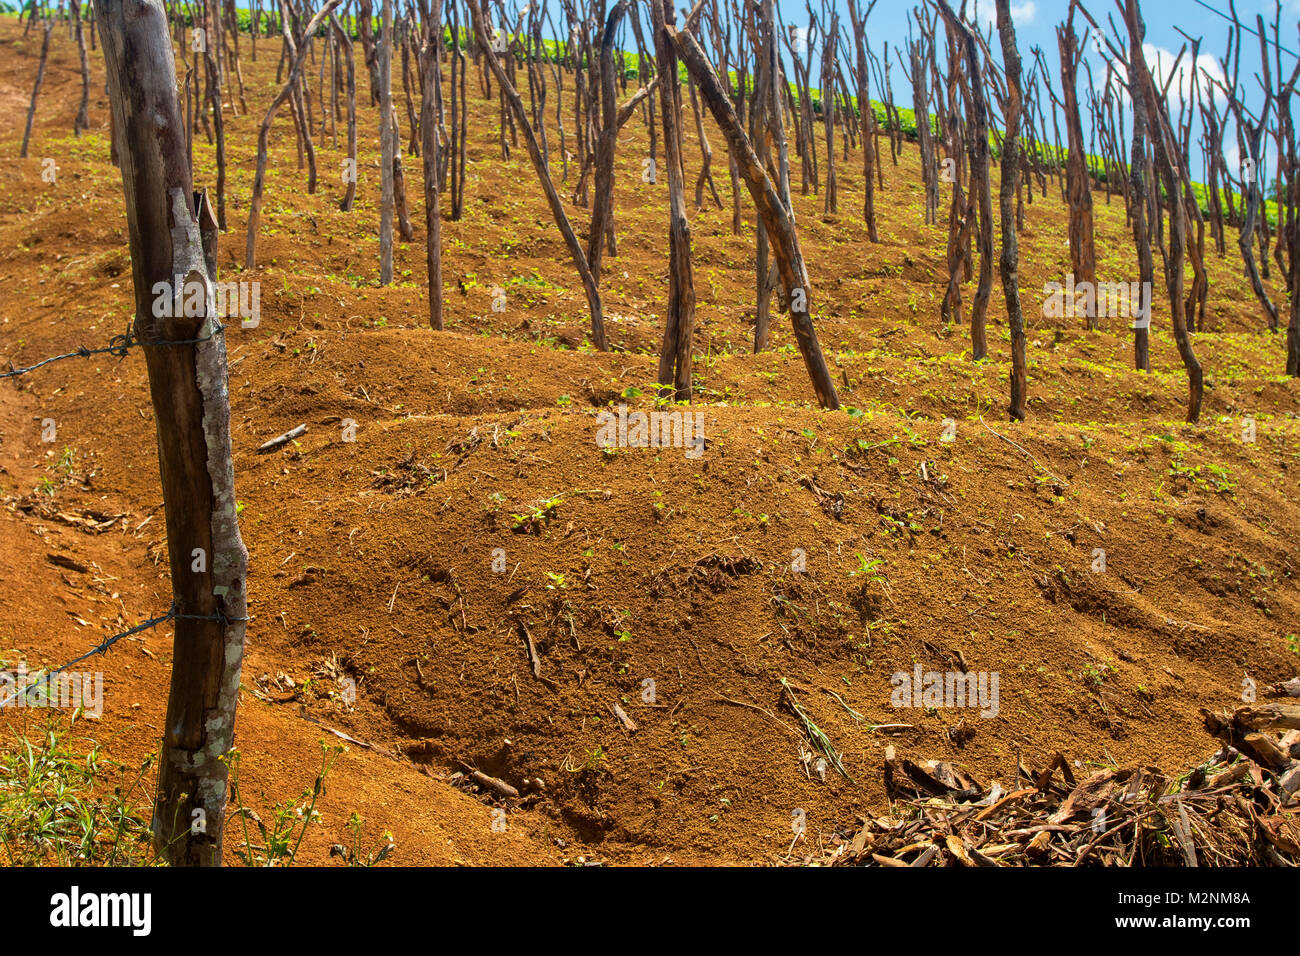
pixel 628 724
pixel 1062 481
pixel 492 783
pixel 279 440
pixel 762 710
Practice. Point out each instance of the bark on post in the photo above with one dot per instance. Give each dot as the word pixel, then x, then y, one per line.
pixel 773 212
pixel 169 241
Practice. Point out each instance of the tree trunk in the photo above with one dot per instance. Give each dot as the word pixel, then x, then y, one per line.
pixel 387 146
pixel 430 51
pixel 219 126
pixel 82 121
pixel 1009 262
pixel 1083 252
pixel 539 164
pixel 188 385
pixel 264 132
pixel 1165 151
pixel 870 135
pixel 602 210
pixel 1246 237
pixel 350 170
pixel 675 354
pixel 773 212
pixel 36 89
pixel 365 22
pixel 1142 182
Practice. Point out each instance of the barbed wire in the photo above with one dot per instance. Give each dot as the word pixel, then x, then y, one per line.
pixel 118 345
pixel 173 613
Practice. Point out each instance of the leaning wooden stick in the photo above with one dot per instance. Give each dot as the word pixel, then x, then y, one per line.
pixel 776 217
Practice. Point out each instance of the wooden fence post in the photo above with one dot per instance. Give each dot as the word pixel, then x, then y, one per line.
pixel 173 240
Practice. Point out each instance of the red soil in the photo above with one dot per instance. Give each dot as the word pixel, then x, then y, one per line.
pixel 378 554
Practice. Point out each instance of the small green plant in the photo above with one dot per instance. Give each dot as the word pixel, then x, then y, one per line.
pixel 357 854
pixel 282 838
pixel 538 516
pixel 66 460
pixel 60 806
pixel 1094 675
pixel 594 762
pixel 867 569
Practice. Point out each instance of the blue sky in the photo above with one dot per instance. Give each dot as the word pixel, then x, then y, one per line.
pixel 1036 22
pixel 1036 19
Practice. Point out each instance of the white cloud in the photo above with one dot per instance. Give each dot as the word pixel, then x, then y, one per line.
pixel 1232 153
pixel 1161 61
pixel 1022 14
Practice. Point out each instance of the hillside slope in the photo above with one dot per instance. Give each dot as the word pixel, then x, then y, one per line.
pixel 375 557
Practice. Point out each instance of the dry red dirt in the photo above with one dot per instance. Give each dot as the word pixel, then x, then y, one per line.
pixel 377 555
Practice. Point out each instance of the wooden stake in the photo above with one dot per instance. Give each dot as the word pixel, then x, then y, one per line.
pixel 188 384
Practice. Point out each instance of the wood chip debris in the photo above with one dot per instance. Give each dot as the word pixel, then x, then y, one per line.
pixel 1239 807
